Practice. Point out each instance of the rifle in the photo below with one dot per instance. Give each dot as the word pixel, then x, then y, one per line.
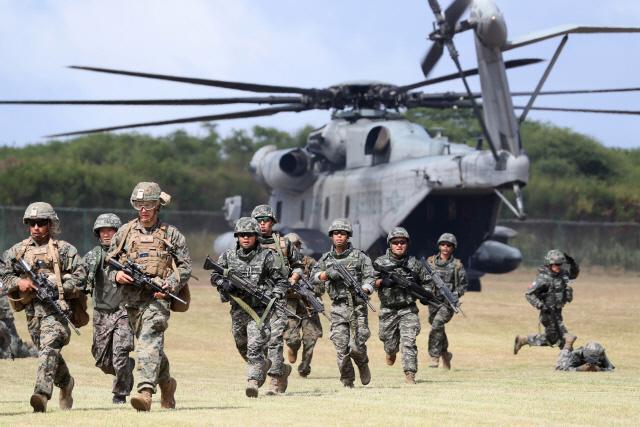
pixel 450 298
pixel 352 283
pixel 45 291
pixel 249 288
pixel 140 279
pixel 303 288
pixel 412 287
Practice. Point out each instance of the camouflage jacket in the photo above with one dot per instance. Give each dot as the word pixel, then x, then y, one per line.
pixel 549 290
pixel 5 308
pixel 92 272
pixel 288 253
pixel 69 262
pixel 451 272
pixel 408 267
pixel 261 267
pixel 571 360
pixel 355 261
pixel 133 295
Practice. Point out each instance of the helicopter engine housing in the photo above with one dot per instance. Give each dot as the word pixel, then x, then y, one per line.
pixel 289 169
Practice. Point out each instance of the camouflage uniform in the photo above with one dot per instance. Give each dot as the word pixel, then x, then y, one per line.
pixel 591 357
pixel 11 345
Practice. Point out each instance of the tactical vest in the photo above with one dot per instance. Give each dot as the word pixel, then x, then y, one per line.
pixel 151 251
pixel 396 297
pixel 450 276
pixel 279 246
pixel 338 290
pixel 252 271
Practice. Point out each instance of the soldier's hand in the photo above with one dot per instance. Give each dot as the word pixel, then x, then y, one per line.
pixel 227 286
pixel 162 295
pixel 424 301
pixel 332 274
pixel 367 289
pixel 26 285
pixel 123 278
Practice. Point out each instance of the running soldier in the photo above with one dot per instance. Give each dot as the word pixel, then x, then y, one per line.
pixel 549 293
pixel 309 327
pixel 291 260
pixel 49 331
pixel 399 320
pixel 112 335
pixel 349 316
pixel 452 273
pixel 590 358
pixel 162 252
pixel 250 331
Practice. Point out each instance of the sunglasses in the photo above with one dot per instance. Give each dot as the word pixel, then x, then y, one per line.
pixel 38 222
pixel 245 234
pixel 399 242
pixel 449 245
pixel 263 219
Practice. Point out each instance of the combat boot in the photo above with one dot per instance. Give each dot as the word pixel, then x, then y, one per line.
pixel 365 373
pixel 168 393
pixel 568 341
pixel 446 360
pixel 273 386
pixel 142 400
pixel 66 399
pixel 390 359
pixel 252 388
pixel 283 381
pixel 119 399
pixel 434 362
pixel 519 343
pixel 39 402
pixel 410 377
pixel 292 355
pixel 265 368
pixel 347 383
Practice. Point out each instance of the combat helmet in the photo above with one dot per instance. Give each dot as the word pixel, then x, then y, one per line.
pixel 148 192
pixel 246 225
pixel 106 220
pixel 263 210
pixel 341 224
pixel 294 238
pixel 555 256
pixel 592 352
pixel 42 210
pixel 397 232
pixel 448 238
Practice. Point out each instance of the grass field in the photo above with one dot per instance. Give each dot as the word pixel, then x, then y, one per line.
pixel 487 385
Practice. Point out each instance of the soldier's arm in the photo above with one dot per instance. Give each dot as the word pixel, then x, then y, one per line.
pixel 606 364
pixel 462 280
pixel 315 274
pixel 181 257
pixel 533 291
pixel 423 276
pixel 71 261
pixel 564 361
pixel 296 259
pixel 277 274
pixel 79 277
pixel 368 280
pixel 7 274
pixel 115 242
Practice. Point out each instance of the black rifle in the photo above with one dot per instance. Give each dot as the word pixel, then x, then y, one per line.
pixel 451 299
pixel 303 288
pixel 45 291
pixel 352 283
pixel 134 271
pixel 412 287
pixel 247 287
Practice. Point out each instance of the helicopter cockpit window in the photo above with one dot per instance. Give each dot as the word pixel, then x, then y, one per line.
pixel 279 209
pixel 326 208
pixel 346 206
pixel 378 144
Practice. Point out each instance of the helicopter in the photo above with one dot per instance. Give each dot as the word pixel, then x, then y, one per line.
pixel 369 164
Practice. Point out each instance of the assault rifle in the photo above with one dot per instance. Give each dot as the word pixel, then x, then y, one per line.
pixel 352 283
pixel 140 279
pixel 45 291
pixel 451 299
pixel 412 287
pixel 247 287
pixel 303 288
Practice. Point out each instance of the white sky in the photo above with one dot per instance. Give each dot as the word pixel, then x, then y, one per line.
pixel 302 43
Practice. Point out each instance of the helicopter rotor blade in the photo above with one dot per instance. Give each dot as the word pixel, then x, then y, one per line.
pixel 194 101
pixel 583 110
pixel 579 91
pixel 223 116
pixel 431 58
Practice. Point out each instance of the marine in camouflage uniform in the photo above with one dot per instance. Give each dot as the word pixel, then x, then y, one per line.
pixel 11 345
pixel 112 335
pixel 399 320
pixel 590 358
pixel 349 316
pixel 305 332
pixel 48 330
pixel 250 332
pixel 162 252
pixel 453 274
pixel 549 293
pixel 291 259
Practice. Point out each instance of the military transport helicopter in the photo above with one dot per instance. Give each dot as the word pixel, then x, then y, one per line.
pixel 371 165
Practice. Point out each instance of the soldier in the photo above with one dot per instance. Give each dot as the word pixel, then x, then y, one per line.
pixel 399 321
pixel 263 268
pixel 349 320
pixel 309 327
pixel 112 335
pixel 11 345
pixel 162 252
pixel 291 259
pixel 452 273
pixel 549 293
pixel 49 331
pixel 590 358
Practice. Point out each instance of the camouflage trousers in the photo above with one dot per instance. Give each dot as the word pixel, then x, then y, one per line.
pixel 398 330
pixel 251 342
pixel 148 323
pixel 112 342
pixel 438 341
pixel 349 334
pixel 554 330
pixel 565 359
pixel 276 343
pixel 11 345
pixel 303 333
pixel 50 334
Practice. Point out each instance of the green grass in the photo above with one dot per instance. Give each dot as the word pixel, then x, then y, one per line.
pixel 487 385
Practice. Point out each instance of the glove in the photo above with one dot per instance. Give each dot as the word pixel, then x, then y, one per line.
pixel 215 278
pixel 278 295
pixel 227 286
pixel 333 273
pixel 424 301
pixel 386 282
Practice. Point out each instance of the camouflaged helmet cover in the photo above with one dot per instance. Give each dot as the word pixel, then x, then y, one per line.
pixel 340 225
pixel 263 210
pixel 555 256
pixel 149 191
pixel 294 238
pixel 397 232
pixel 246 225
pixel 107 220
pixel 42 210
pixel 592 352
pixel 449 238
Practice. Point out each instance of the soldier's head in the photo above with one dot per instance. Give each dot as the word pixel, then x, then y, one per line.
pixel 398 241
pixel 340 231
pixel 246 232
pixel 593 352
pixel 554 260
pixel 295 240
pixel 105 227
pixel 42 220
pixel 265 217
pixel 447 244
pixel 147 199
